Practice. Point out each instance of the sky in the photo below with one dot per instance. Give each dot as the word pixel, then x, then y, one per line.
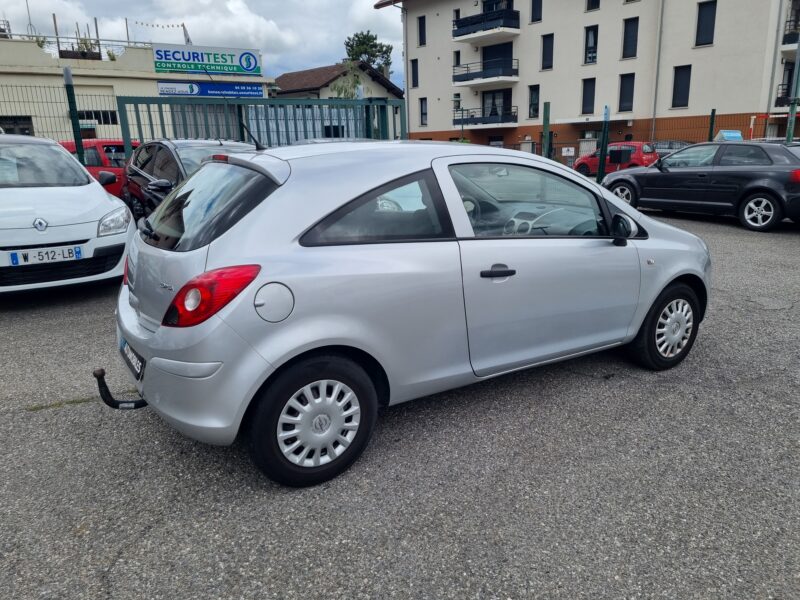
pixel 291 34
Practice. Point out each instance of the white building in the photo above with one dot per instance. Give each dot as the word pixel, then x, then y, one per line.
pixel 485 67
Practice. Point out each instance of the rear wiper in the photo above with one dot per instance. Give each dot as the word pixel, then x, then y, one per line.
pixel 146 228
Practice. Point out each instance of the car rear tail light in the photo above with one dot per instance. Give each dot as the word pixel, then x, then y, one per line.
pixel 794 176
pixel 207 294
pixel 125 272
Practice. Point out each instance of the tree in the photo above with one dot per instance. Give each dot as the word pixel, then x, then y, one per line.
pixel 365 46
pixel 346 86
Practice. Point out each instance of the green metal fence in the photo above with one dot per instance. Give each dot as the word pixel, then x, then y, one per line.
pixel 272 121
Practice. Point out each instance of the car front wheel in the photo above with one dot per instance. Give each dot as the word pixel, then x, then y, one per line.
pixel 760 212
pixel 313 421
pixel 625 191
pixel 669 329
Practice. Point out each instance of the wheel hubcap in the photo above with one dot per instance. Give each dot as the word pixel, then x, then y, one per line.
pixel 623 192
pixel 674 328
pixel 318 423
pixel 759 211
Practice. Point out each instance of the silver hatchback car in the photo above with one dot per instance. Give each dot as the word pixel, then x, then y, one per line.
pixel 288 294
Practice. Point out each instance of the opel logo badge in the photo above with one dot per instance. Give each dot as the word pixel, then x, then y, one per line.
pixel 40 224
pixel 321 424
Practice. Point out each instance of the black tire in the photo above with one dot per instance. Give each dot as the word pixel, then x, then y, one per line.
pixel 629 189
pixel 583 170
pixel 768 202
pixel 262 433
pixel 644 349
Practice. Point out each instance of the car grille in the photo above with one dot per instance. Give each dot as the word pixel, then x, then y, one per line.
pixel 104 260
pixel 35 246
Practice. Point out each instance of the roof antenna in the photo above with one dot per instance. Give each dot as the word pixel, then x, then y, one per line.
pixel 256 143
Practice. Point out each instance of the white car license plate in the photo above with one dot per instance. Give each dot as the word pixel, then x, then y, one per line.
pixel 37 256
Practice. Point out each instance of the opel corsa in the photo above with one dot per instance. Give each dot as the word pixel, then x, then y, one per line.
pixel 288 294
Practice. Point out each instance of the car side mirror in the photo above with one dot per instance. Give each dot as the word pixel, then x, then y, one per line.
pixel 160 185
pixel 106 178
pixel 659 164
pixel 622 229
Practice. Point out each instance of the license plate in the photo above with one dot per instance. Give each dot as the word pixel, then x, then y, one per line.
pixel 37 256
pixel 133 360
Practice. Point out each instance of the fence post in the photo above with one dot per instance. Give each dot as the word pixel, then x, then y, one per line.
pixel 793 106
pixel 601 166
pixel 73 114
pixel 711 124
pixel 546 130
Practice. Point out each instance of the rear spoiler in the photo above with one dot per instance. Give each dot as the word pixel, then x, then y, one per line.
pixel 274 168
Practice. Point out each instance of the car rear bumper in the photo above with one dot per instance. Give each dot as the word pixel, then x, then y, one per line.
pixel 198 379
pixel 792 206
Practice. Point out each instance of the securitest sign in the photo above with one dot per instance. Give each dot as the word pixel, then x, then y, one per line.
pixel 209 89
pixel 169 58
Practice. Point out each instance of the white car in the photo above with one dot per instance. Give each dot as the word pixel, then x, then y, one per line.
pixel 58 225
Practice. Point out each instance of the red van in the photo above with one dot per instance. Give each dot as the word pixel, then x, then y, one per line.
pixel 643 154
pixel 103 155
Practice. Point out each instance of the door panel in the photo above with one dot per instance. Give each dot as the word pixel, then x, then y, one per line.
pixel 685 177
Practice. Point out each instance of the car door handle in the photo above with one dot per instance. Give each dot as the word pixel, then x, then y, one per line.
pixel 496 273
pixel 702 174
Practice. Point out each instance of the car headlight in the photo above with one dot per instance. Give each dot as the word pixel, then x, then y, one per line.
pixel 116 221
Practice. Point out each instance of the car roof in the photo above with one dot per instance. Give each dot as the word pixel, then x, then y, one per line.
pixel 8 138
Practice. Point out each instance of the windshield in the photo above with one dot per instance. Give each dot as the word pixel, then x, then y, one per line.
pixel 39 165
pixel 193 156
pixel 205 206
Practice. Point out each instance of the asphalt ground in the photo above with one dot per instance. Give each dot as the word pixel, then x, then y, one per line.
pixel 586 479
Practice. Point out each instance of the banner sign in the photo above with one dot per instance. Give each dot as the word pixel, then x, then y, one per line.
pixel 210 89
pixel 170 58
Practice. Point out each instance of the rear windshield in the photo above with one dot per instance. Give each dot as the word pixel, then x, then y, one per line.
pixel 205 206
pixel 39 165
pixel 193 156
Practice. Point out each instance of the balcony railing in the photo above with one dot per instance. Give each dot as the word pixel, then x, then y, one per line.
pixel 496 67
pixel 783 95
pixel 485 21
pixel 791 32
pixel 485 116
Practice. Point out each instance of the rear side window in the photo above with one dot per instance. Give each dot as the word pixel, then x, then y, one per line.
pixel 206 205
pixel 648 149
pixel 165 166
pixel 742 156
pixel 407 209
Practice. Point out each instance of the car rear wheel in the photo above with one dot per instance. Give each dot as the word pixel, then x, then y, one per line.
pixel 625 191
pixel 760 212
pixel 669 329
pixel 583 170
pixel 313 421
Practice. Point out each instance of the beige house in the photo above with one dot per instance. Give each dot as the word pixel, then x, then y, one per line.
pixel 319 82
pixel 484 68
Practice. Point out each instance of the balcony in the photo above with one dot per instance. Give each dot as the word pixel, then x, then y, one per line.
pixel 791 31
pixel 472 117
pixel 487 28
pixel 486 73
pixel 783 95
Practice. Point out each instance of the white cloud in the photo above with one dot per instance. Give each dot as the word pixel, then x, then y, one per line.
pixel 291 34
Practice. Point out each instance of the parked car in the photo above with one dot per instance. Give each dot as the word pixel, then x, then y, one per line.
pixel 58 225
pixel 158 166
pixel 758 182
pixel 287 294
pixel 642 154
pixel 666 147
pixel 103 155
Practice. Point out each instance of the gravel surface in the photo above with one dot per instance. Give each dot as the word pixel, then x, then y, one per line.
pixel 590 478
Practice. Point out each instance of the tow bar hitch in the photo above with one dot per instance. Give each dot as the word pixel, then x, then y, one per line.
pixel 109 400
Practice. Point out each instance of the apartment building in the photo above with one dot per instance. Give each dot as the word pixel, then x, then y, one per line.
pixel 483 69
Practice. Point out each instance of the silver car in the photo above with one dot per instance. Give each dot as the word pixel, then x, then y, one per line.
pixel 286 295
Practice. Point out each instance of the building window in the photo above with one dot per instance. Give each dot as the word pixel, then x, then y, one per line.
pixel 592 4
pixel 626 83
pixel 680 86
pixel 103 117
pixel 457 102
pixel 456 58
pixel 547 51
pixel 630 39
pixel 423 112
pixel 706 18
pixel 533 101
pixel 422 36
pixel 587 102
pixel 414 73
pixel 456 14
pixel 536 11
pixel 590 45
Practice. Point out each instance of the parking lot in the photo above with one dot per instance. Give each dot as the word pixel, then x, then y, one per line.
pixel 589 478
